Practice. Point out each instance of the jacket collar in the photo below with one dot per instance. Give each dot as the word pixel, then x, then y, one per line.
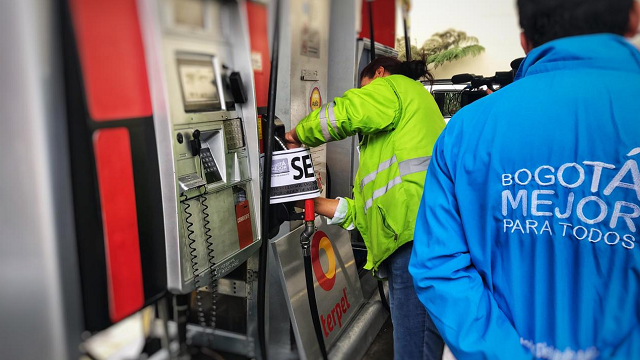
pixel 599 51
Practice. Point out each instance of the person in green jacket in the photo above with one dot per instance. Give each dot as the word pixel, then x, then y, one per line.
pixel 399 122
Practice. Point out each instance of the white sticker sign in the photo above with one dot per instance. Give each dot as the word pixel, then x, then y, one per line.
pixel 292 176
pixel 256 61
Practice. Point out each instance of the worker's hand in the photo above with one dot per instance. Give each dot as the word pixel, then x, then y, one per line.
pixel 291 140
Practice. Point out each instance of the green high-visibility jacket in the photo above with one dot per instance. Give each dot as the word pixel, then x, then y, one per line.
pixel 400 122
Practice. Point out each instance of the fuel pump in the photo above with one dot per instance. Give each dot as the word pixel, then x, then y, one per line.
pixel 330 283
pixel 293 179
pixel 200 76
pixel 272 191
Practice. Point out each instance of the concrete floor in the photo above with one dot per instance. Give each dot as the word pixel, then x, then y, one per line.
pixel 382 347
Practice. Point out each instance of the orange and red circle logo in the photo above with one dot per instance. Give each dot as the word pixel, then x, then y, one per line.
pixel 326 279
pixel 315 100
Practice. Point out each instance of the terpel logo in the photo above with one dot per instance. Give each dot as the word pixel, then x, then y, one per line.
pixel 325 279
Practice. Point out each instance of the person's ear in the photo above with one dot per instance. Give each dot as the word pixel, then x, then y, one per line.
pixel 379 72
pixel 525 43
pixel 634 20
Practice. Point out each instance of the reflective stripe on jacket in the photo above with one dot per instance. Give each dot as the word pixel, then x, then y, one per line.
pixel 400 122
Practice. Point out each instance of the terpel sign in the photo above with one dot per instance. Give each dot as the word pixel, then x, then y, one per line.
pixel 327 280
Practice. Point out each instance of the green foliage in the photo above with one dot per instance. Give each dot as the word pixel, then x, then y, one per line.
pixel 406 3
pixel 443 47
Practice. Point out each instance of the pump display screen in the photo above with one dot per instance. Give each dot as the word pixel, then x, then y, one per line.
pixel 198 81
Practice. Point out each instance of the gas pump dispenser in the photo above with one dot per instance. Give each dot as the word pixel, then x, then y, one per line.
pixel 206 126
pixel 205 117
pixel 323 307
pixel 162 182
pixel 339 313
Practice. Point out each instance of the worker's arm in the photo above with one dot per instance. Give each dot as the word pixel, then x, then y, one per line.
pixel 326 207
pixel 370 109
pixel 446 281
pixel 339 211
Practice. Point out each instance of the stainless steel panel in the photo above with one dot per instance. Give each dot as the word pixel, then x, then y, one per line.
pixel 227 265
pixel 288 259
pixel 309 24
pixel 343 74
pixel 40 304
pixel 252 306
pixel 303 64
pixel 222 37
pixel 280 344
pixel 242 291
pixel 361 333
pixel 232 287
pixel 222 340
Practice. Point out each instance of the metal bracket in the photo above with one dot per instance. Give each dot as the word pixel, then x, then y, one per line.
pixel 232 288
pixel 190 181
pixel 309 75
pixel 250 277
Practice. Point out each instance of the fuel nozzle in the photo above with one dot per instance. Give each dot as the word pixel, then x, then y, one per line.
pixel 309 228
pixel 305 242
pixel 196 144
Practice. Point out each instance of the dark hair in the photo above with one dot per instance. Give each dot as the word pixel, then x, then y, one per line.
pixel 415 69
pixel 546 20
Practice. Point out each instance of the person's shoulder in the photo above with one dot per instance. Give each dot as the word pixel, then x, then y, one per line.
pixel 379 84
pixel 403 80
pixel 407 86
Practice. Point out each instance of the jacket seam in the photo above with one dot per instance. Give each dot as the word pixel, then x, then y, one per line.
pixel 398 99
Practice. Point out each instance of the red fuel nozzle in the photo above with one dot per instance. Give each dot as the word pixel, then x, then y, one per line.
pixel 309 228
pixel 309 210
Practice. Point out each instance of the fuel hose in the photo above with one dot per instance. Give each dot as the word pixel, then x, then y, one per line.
pixel 305 242
pixel 266 185
pixel 313 305
pixel 383 297
pixel 371 30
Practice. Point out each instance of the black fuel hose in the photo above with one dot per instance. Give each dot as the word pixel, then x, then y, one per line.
pixel 383 297
pixel 407 39
pixel 313 305
pixel 305 244
pixel 266 185
pixel 371 31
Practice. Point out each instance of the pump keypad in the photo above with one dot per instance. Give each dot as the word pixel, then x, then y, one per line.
pixel 233 134
pixel 211 172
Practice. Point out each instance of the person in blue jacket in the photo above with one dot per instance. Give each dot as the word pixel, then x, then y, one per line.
pixel 527 242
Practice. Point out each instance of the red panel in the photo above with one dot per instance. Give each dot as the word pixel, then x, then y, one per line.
pixel 257 15
pixel 243 218
pixel 119 217
pixel 384 19
pixel 112 58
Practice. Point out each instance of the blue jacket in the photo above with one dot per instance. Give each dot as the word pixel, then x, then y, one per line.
pixel 527 237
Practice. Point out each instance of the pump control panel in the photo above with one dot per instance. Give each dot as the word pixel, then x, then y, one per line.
pixel 207 137
pixel 211 171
